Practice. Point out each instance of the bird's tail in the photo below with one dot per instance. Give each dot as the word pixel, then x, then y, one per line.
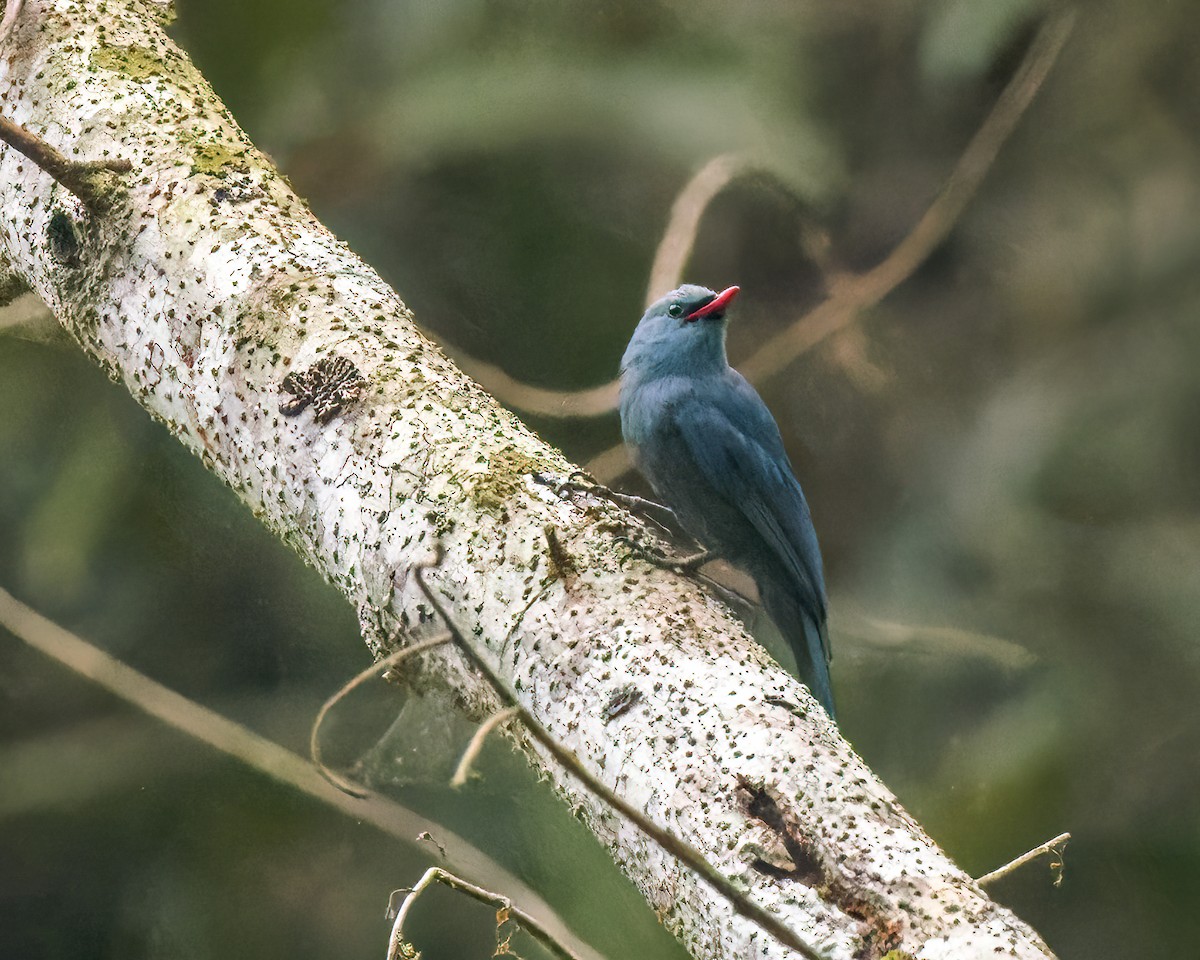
pixel 816 642
pixel 808 639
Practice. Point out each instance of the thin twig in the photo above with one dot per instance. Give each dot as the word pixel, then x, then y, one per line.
pixel 683 851
pixel 500 902
pixel 393 659
pixel 471 754
pixel 258 753
pixel 81 177
pixel 541 401
pixel 12 10
pixel 1054 846
pixel 675 247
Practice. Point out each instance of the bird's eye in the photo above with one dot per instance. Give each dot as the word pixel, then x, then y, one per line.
pixel 675 310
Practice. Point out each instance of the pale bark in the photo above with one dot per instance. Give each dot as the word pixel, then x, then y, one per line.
pixel 209 282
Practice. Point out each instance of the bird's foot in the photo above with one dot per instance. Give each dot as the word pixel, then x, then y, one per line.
pixel 693 562
pixel 667 561
pixel 579 482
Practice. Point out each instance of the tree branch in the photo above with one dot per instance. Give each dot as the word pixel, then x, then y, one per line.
pixel 87 179
pixel 301 379
pixel 463 772
pixel 1055 846
pixel 854 294
pixel 563 404
pixel 675 247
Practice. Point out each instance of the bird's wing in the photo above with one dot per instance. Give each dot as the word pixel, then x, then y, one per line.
pixel 749 468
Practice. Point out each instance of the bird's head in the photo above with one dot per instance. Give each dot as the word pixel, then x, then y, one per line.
pixel 682 334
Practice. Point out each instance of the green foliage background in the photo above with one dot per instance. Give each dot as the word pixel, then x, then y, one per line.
pixel 1002 457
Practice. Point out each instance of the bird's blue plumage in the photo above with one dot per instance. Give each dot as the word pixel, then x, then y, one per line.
pixel 711 449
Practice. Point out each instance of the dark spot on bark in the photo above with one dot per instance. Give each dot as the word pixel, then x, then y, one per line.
pixel 63 238
pixel 241 190
pixel 789 705
pixel 329 386
pixel 621 702
pixel 758 803
pixel 881 931
pixel 562 564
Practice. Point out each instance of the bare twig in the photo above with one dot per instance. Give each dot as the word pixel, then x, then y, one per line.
pixel 675 247
pixel 561 404
pixel 257 752
pixel 393 659
pixel 427 837
pixel 84 178
pixel 471 754
pixel 1054 847
pixel 12 10
pixel 504 907
pixel 884 636
pixel 683 851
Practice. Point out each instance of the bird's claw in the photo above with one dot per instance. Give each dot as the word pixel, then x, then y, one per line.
pixel 579 481
pixel 659 558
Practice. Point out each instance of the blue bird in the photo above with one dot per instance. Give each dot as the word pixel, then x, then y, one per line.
pixel 703 437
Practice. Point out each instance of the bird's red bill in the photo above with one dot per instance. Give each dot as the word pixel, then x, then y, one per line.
pixel 716 305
